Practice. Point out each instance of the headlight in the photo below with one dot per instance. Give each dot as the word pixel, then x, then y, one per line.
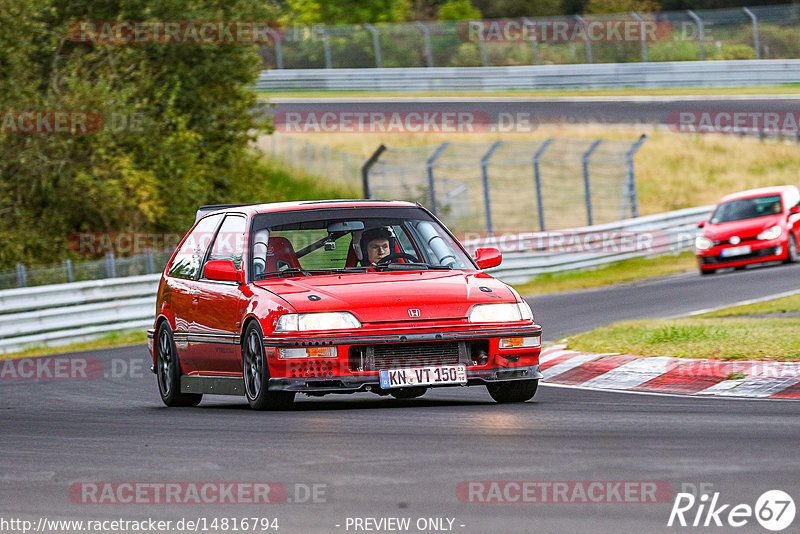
pixel 500 313
pixel 771 233
pixel 292 322
pixel 701 242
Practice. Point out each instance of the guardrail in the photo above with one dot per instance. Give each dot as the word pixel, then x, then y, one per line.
pixel 731 73
pixel 59 314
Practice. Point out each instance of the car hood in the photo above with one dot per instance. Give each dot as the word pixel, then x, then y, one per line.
pixel 747 228
pixel 389 296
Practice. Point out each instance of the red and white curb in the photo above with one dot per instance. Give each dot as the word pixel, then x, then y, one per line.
pixel 762 379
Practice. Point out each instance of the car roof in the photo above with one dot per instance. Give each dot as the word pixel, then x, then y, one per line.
pixel 750 193
pixel 301 205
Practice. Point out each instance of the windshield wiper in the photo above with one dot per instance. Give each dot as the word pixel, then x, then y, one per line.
pixel 291 271
pixel 413 266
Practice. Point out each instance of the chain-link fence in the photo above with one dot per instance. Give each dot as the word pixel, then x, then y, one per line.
pixel 511 186
pixel 761 32
pixel 337 166
pixel 74 271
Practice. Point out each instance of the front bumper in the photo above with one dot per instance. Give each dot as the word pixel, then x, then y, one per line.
pixel 356 384
pixel 762 252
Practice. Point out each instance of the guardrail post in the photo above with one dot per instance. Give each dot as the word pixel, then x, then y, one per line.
pixel 278 50
pixel 537 178
pixel 535 42
pixel 149 264
pixel 587 191
pixel 376 44
pixel 326 45
pixel 588 42
pixel 701 38
pixel 22 276
pixel 484 53
pixel 641 31
pixel 111 267
pixel 367 166
pixel 753 18
pixel 630 179
pixel 67 263
pixel 426 34
pixel 431 180
pixel 487 205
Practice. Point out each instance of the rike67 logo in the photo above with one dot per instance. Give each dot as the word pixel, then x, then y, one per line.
pixel 774 510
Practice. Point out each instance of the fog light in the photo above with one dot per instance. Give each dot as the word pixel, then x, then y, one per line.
pixel 519 342
pixel 310 352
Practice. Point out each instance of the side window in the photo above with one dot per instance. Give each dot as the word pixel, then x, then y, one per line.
pixel 229 243
pixel 190 256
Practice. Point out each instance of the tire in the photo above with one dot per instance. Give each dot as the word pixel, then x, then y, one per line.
pixel 791 246
pixel 408 393
pixel 168 371
pixel 706 272
pixel 255 373
pixel 513 391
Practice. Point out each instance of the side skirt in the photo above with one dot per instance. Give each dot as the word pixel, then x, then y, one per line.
pixel 214 385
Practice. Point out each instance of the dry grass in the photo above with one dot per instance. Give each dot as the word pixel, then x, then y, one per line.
pixel 673 170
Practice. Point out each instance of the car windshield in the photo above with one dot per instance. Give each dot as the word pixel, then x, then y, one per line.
pixel 746 208
pixel 308 242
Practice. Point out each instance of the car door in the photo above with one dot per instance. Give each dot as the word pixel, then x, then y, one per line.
pixel 220 305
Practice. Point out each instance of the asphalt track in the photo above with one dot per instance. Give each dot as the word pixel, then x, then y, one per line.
pixel 382 458
pixel 508 113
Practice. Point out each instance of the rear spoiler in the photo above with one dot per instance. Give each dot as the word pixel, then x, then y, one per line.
pixel 204 210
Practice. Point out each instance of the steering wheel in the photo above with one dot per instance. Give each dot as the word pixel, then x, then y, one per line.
pixel 397 256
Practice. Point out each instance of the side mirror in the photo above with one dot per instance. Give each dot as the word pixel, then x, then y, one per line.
pixel 701 224
pixel 223 270
pixel 488 257
pixel 794 209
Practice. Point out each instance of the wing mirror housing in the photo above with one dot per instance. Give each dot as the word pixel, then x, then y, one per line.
pixel 488 257
pixel 794 209
pixel 224 271
pixel 701 224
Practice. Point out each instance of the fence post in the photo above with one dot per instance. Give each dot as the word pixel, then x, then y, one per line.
pixel 538 180
pixel 535 42
pixel 484 53
pixel 753 18
pixel 701 38
pixel 376 44
pixel 587 191
pixel 67 264
pixel 22 276
pixel 641 31
pixel 426 33
pixel 326 44
pixel 111 267
pixel 367 166
pixel 278 50
pixel 431 181
pixel 588 42
pixel 630 181
pixel 149 263
pixel 487 205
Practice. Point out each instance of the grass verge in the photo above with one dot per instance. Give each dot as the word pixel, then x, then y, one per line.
pixel 682 91
pixel 721 335
pixel 613 273
pixel 115 339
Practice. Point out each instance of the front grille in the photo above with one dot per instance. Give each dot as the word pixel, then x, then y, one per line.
pixel 399 355
pixel 761 253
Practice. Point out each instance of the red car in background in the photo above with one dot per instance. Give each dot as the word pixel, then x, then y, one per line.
pixel 272 300
pixel 752 226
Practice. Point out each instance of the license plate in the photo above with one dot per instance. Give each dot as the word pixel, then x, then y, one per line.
pixel 423 376
pixel 735 251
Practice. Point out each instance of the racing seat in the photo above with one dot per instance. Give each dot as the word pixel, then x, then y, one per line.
pixel 280 255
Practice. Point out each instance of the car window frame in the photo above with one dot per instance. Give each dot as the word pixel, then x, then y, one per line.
pixel 206 257
pixel 205 254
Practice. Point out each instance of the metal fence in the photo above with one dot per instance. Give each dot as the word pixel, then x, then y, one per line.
pixel 75 271
pixel 511 186
pixel 731 33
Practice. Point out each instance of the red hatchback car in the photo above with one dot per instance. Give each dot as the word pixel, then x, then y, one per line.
pixel 749 227
pixel 271 300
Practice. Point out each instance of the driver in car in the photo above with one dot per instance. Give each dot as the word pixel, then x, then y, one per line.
pixel 375 244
